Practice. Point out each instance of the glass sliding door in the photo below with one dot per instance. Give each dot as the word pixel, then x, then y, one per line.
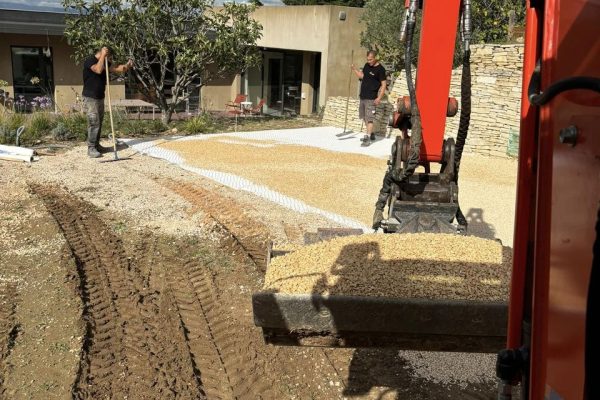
pixel 278 81
pixel 252 85
pixel 273 78
pixel 33 75
pixel 292 83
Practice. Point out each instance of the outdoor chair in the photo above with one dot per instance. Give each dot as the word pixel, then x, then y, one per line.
pixel 235 104
pixel 257 109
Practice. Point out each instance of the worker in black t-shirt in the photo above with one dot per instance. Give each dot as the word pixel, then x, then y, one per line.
pixel 94 84
pixel 372 90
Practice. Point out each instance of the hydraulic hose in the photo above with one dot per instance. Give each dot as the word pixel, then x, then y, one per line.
pixel 416 137
pixel 538 98
pixel 465 99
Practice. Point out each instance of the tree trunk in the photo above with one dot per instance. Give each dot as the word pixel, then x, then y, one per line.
pixel 166 115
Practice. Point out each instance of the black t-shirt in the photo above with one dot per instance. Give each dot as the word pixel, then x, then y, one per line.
pixel 371 82
pixel 93 83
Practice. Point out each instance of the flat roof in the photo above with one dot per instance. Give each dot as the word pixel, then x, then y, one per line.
pixel 32 22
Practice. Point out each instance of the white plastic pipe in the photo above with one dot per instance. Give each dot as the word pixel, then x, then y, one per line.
pixel 16 150
pixel 15 157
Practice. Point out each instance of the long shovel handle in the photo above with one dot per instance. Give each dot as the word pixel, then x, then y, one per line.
pixel 348 98
pixel 112 124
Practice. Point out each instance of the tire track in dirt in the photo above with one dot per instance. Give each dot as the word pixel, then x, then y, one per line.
pixel 8 325
pixel 244 365
pixel 132 347
pixel 245 235
pixel 224 358
pixel 204 352
pixel 251 238
pixel 201 339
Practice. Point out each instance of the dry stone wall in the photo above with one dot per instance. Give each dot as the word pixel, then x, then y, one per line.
pixel 496 100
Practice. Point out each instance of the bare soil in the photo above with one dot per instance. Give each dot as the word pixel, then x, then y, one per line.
pixel 133 279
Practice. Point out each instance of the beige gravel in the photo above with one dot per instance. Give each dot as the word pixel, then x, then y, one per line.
pixel 348 184
pixel 421 265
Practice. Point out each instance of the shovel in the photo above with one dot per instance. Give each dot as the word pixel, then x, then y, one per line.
pixel 345 132
pixel 112 124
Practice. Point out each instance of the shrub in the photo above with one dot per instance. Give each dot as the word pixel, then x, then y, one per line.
pixel 70 126
pixel 202 123
pixel 141 127
pixel 61 132
pixel 40 124
pixel 9 123
pixel 119 118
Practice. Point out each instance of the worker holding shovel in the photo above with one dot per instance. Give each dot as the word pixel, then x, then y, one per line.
pixel 94 85
pixel 372 90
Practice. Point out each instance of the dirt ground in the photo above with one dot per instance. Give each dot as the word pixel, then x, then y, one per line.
pixel 133 279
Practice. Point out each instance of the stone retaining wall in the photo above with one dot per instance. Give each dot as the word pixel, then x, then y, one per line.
pixel 496 100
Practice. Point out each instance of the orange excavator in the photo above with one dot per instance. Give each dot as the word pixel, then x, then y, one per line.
pixel 544 335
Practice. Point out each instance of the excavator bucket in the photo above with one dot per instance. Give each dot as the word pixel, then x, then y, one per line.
pixel 354 321
pixel 361 321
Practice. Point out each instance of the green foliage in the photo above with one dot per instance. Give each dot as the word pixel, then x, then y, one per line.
pixel 40 124
pixel 185 39
pixel 9 123
pixel 491 19
pixel 202 123
pixel 383 22
pixel 70 126
pixel 349 3
pixel 119 117
pixel 141 127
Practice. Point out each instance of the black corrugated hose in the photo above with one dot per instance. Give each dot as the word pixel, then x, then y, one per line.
pixel 463 125
pixel 416 136
pixel 465 100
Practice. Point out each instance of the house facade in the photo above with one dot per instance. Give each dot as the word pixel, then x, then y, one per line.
pixel 32 46
pixel 306 56
pixel 306 52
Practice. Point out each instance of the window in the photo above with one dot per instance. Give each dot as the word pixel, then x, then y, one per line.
pixel 32 73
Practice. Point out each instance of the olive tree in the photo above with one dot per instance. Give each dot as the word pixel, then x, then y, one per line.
pixel 183 43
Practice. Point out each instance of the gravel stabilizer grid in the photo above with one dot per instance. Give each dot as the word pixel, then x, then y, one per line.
pixel 235 182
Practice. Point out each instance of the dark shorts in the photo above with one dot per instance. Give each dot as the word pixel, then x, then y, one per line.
pixel 366 110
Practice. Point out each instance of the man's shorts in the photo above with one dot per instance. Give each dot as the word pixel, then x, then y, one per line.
pixel 366 110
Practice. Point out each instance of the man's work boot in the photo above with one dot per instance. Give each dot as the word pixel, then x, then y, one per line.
pixel 373 137
pixel 93 153
pixel 377 218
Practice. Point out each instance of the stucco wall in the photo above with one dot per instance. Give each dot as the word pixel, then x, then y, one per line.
pixel 344 39
pixel 312 29
pixel 67 75
pixel 496 99
pixel 219 92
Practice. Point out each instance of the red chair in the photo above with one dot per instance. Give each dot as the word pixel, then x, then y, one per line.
pixel 235 104
pixel 257 109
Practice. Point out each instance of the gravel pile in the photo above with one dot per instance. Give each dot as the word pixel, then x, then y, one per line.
pixel 463 368
pixel 421 265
